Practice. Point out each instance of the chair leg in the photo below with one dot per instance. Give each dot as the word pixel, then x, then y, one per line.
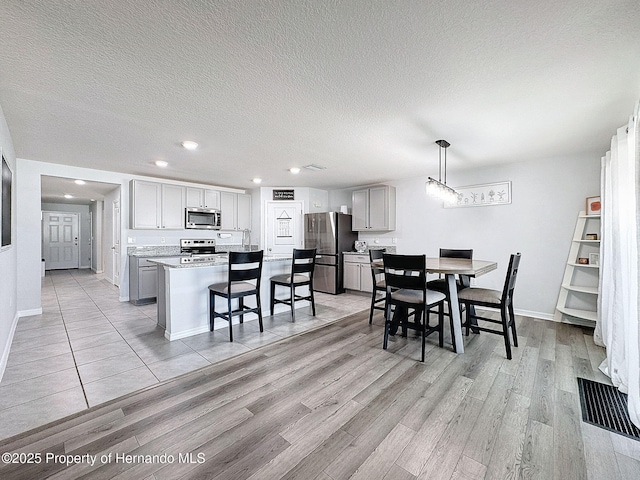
pixel 273 296
pixel 373 302
pixel 425 314
pixel 293 303
pixel 212 308
pixel 467 324
pixel 387 325
pixel 513 325
pixel 241 307
pixel 259 310
pixel 505 332
pixel 313 301
pixel 230 319
pixel 441 325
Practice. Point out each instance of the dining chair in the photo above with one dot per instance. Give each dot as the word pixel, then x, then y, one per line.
pixel 244 268
pixel 379 285
pixel 302 267
pixel 406 288
pixel 464 281
pixel 484 297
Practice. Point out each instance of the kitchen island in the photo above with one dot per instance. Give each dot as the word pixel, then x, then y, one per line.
pixel 183 294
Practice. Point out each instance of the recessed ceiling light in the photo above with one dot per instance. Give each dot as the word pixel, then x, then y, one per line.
pixel 189 145
pixel 162 163
pixel 79 182
pixel 294 170
pixel 66 195
pixel 257 180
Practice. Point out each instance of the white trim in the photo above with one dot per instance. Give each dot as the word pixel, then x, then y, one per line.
pixel 526 313
pixel 530 313
pixel 7 347
pixel 186 333
pixel 28 313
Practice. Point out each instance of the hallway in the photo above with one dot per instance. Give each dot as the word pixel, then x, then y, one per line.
pixel 87 347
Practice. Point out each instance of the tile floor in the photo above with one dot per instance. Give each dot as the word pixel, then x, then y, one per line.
pixel 87 347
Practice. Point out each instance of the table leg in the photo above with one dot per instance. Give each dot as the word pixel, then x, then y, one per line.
pixel 454 310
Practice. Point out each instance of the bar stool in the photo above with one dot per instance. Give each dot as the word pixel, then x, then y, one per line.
pixel 302 267
pixel 244 267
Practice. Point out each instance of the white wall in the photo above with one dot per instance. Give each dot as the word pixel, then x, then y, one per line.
pixel 8 257
pixel 546 198
pixel 97 257
pixel 84 227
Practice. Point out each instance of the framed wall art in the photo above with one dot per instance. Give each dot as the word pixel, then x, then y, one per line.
pixel 485 195
pixel 594 205
pixel 7 179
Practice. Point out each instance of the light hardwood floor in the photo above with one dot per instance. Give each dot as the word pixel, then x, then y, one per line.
pixel 331 404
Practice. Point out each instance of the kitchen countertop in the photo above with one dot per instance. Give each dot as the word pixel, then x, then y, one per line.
pixel 221 259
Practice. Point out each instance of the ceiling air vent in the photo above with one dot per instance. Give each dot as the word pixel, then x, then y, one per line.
pixel 313 167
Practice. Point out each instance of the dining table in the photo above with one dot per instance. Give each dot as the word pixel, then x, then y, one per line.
pixel 450 267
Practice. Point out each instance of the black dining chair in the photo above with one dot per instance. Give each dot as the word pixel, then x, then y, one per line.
pixel 379 285
pixel 302 267
pixel 484 297
pixel 464 281
pixel 406 288
pixel 244 268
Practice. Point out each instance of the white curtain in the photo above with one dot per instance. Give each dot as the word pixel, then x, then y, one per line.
pixel 618 326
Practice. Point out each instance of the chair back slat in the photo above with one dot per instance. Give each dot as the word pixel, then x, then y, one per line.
pixel 245 266
pixel 512 274
pixel 377 272
pixel 456 253
pixel 304 261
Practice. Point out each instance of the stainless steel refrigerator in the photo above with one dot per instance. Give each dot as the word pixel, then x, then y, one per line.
pixel 330 234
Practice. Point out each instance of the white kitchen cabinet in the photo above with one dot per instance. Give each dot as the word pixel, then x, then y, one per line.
pixel 156 205
pixel 374 209
pixel 357 272
pixel 203 198
pixel 236 211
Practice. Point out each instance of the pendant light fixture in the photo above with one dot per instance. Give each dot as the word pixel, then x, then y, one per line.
pixel 438 188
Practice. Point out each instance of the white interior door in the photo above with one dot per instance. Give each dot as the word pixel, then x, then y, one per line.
pixel 60 242
pixel 116 243
pixel 284 227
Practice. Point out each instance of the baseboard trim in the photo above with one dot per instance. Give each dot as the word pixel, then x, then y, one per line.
pixel 7 347
pixel 28 313
pixel 529 313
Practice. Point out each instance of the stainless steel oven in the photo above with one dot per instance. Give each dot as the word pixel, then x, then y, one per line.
pixel 202 218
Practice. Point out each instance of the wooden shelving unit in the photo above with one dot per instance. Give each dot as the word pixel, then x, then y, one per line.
pixel 578 298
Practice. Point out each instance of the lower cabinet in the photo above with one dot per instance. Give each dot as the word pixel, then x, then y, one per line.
pixel 357 272
pixel 143 281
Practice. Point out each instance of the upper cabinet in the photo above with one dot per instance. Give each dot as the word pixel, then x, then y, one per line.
pixel 203 198
pixel 374 209
pixel 156 205
pixel 236 211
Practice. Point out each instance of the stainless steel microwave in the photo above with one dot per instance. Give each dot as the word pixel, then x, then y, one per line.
pixel 202 218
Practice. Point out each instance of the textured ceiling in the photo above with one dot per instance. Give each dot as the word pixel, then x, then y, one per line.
pixel 363 88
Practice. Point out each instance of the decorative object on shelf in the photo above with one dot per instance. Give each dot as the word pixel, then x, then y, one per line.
pixel 591 236
pixel 594 259
pixel 594 205
pixel 483 195
pixel 360 246
pixel 438 188
pixel 583 261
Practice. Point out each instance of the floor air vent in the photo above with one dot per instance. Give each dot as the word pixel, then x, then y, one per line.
pixel 606 407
